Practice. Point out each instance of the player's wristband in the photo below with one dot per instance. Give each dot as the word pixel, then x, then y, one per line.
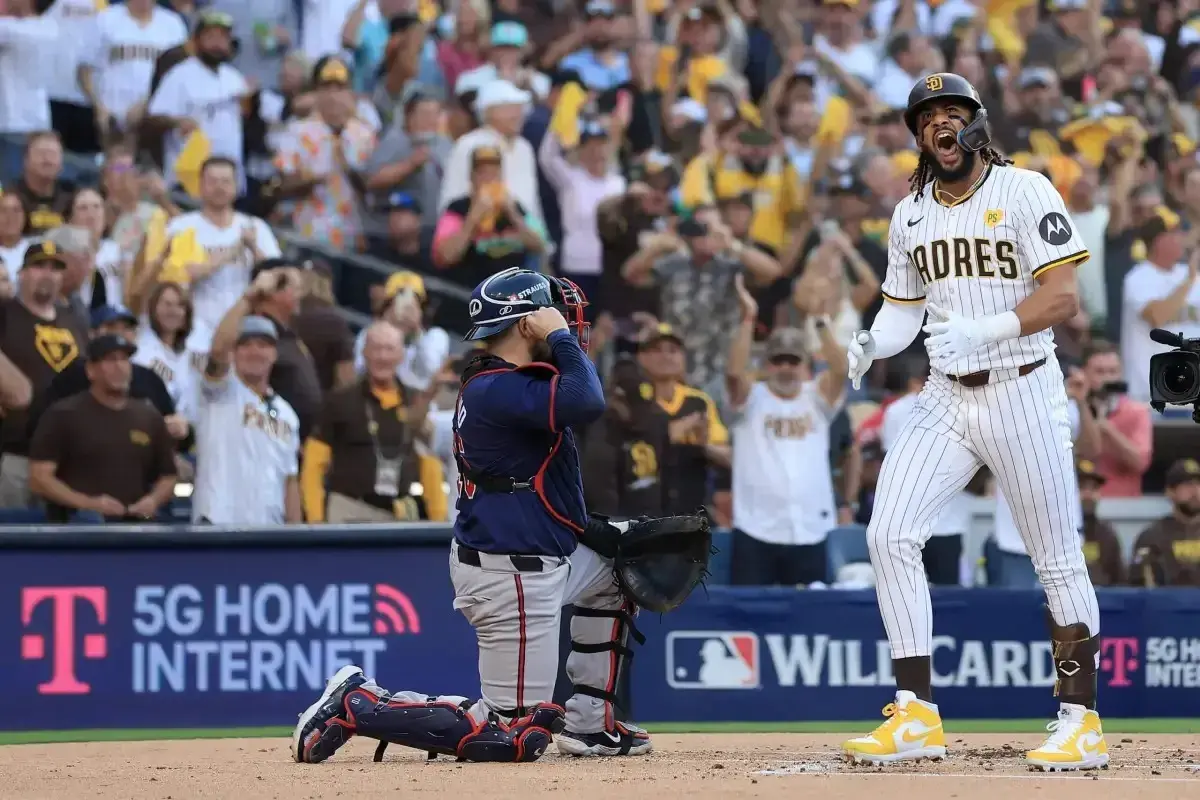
pixel 1001 327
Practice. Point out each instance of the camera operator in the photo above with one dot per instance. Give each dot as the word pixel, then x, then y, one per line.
pixel 1161 292
pixel 1126 430
pixel 1168 552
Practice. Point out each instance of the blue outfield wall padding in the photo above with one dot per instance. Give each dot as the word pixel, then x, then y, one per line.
pixel 165 635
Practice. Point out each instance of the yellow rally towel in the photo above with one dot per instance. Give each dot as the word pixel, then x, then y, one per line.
pixel 184 250
pixel 156 235
pixel 196 149
pixel 1091 136
pixel 835 122
pixel 701 70
pixel 564 123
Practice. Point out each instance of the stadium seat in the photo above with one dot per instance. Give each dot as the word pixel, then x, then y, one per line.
pixel 845 545
pixel 721 563
pixel 1008 570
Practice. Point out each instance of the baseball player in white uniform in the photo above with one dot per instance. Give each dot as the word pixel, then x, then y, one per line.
pixel 247 437
pixel 989 251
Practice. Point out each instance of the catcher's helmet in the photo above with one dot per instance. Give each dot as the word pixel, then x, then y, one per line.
pixel 948 86
pixel 501 300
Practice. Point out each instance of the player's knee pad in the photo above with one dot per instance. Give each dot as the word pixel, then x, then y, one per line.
pixel 1076 654
pixel 603 635
pixel 444 726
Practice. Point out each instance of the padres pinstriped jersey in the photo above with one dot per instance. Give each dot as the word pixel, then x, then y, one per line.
pixel 982 255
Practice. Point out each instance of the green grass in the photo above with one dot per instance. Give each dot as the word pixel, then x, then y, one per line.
pixel 1111 726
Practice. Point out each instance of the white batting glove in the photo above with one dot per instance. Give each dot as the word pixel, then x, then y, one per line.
pixel 859 356
pixel 953 336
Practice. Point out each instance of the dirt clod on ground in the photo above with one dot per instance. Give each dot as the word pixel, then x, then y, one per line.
pixel 768 766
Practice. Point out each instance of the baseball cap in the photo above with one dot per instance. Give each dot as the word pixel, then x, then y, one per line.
pixel 1086 470
pixel 848 183
pixel 401 201
pixel 41 252
pixel 404 279
pixel 256 327
pixel 786 342
pixel 592 130
pixel 211 18
pixel 600 8
pixel 509 34
pixel 754 136
pixel 269 264
pixel 486 154
pixel 500 93
pixel 1066 5
pixel 1036 76
pixel 330 71
pixel 691 228
pixel 106 314
pixel 661 331
pixel 1182 471
pixel 106 345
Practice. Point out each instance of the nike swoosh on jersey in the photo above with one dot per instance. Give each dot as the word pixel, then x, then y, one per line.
pixel 912 222
pixel 918 735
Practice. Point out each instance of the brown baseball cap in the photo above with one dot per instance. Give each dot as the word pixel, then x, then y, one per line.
pixel 786 342
pixel 1182 471
pixel 1086 470
pixel 661 331
pixel 41 253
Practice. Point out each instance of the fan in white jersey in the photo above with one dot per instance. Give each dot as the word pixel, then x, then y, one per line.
pixel 161 341
pixel 247 437
pixel 232 242
pixel 87 209
pixel 117 62
pixel 13 242
pixel 205 93
pixel 989 250
pixel 783 501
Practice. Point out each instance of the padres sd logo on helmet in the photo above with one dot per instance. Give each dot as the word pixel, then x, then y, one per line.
pixel 948 86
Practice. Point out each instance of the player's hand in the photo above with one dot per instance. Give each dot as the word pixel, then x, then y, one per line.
pixel 108 506
pixel 951 336
pixel 541 323
pixel 859 356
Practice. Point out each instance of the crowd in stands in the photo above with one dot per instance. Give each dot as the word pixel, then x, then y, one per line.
pixel 717 175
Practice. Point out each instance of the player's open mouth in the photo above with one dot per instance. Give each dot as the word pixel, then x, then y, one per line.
pixel 946 145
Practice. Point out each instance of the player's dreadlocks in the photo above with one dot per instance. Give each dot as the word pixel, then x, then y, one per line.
pixel 924 171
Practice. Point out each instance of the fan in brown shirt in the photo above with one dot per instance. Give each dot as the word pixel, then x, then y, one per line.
pixel 42 339
pixel 101 452
pixel 1168 552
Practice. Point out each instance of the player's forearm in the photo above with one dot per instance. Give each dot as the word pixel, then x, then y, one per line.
pixel 896 326
pixel 578 398
pixel 1052 303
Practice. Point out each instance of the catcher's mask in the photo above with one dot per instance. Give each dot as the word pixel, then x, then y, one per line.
pixel 501 300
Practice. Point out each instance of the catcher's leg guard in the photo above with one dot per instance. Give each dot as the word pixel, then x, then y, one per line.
pixel 599 653
pixel 448 725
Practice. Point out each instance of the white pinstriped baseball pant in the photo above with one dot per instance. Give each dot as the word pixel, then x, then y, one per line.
pixel 1019 429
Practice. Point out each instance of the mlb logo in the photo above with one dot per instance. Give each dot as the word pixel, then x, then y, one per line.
pixel 712 660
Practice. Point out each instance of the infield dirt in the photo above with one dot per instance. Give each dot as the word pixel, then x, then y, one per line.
pixel 980 767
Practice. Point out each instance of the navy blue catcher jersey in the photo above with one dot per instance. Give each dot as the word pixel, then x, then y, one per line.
pixel 515 423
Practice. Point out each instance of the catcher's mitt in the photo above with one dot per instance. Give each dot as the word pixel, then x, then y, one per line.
pixel 660 561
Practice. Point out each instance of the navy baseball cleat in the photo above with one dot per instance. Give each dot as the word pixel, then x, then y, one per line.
pixel 326 725
pixel 623 740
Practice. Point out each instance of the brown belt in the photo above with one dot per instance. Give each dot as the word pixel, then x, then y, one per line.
pixel 974 380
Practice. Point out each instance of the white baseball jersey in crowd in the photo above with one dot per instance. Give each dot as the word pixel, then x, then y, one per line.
pixel 122 52
pixel 783 487
pixel 1144 284
pixel 76 24
pixel 247 447
pixel 216 294
pixel 174 367
pixel 979 256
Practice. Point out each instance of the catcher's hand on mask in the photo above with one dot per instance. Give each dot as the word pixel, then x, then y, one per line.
pixel 859 356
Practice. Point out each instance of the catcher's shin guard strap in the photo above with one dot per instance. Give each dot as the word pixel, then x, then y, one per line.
pixel 441 727
pixel 617 613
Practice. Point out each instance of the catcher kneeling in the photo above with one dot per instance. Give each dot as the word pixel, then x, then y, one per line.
pixel 524 547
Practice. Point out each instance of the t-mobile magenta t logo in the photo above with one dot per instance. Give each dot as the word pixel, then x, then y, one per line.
pixel 62 633
pixel 1119 657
